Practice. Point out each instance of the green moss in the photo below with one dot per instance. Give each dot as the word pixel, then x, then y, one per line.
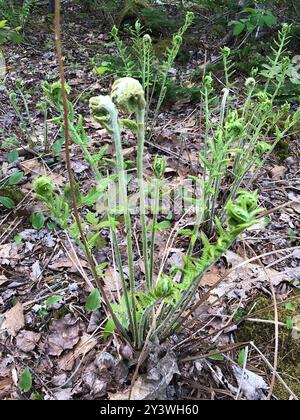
pixel 219 31
pixel 160 47
pixel 282 150
pixel 263 335
pixel 159 22
pixel 11 192
pixel 183 93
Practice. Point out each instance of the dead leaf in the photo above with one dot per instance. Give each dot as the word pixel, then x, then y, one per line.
pixel 295 206
pixel 58 179
pixel 252 385
pixel 112 281
pixel 241 281
pixel 27 340
pixel 33 166
pixel 87 343
pixel 13 320
pixel 60 262
pixel 64 335
pixel 35 271
pixel 278 172
pixel 6 387
pixel 9 252
pixel 3 280
pixel 153 385
pixel 211 278
pixel 63 394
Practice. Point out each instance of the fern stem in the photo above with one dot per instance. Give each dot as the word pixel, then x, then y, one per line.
pixel 127 219
pixel 121 271
pixel 153 229
pixel 140 118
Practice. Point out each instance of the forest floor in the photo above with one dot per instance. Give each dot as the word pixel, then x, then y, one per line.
pixel 61 343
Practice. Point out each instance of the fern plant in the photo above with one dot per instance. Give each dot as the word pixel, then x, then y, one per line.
pixel 160 295
pixel 140 61
pixel 155 304
pixel 237 138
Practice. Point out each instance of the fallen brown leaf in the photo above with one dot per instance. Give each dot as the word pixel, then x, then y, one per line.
pixel 67 261
pixel 6 387
pixel 277 172
pixel 13 320
pixel 3 280
pixel 211 278
pixel 64 335
pixel 33 166
pixel 87 343
pixel 27 340
pixel 9 251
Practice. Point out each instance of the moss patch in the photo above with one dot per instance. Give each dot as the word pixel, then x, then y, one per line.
pixel 264 337
pixel 11 192
pixel 282 150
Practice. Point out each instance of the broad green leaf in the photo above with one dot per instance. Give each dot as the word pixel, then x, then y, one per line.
pixel 7 202
pixel 15 178
pixel 18 239
pixel 241 358
pixel 92 197
pixel 101 70
pixel 217 357
pixel 250 10
pixel 101 267
pixel 36 396
pixel 13 156
pixel 53 299
pixel 109 328
pixel 290 307
pixel 93 301
pixel 238 28
pixel 25 381
pixel 292 235
pixel 289 323
pixel 270 20
pixel 163 225
pixel 37 220
pixel 185 232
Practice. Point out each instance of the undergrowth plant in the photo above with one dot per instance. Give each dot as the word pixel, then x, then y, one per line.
pixel 138 60
pixel 155 304
pixel 16 13
pixel 253 19
pixel 161 298
pixel 8 34
pixel 236 139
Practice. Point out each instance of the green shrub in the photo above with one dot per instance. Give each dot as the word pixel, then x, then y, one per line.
pixel 16 13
